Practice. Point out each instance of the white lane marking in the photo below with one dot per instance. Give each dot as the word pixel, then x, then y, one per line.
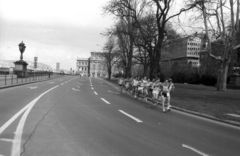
pixel 195 150
pixel 105 101
pixel 16 148
pixel 76 89
pixel 33 87
pixel 78 86
pixel 132 117
pixel 62 83
pixel 7 140
pixel 113 92
pixel 13 119
pixel 92 88
pixel 234 115
pixel 95 93
pixel 104 85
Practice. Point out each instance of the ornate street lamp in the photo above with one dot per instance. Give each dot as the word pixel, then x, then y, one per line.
pixel 20 68
pixel 22 48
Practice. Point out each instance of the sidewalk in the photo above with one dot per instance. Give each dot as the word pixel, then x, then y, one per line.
pixel 204 101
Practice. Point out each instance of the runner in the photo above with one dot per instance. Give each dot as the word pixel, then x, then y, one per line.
pixel 166 96
pixel 135 87
pixel 120 83
pixel 171 88
pixel 140 87
pixel 156 91
pixel 127 84
pixel 145 88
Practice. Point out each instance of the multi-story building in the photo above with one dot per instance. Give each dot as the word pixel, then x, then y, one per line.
pixel 184 51
pixel 93 66
pixel 97 67
pixel 83 66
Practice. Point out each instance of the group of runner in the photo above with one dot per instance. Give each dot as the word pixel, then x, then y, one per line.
pixel 157 91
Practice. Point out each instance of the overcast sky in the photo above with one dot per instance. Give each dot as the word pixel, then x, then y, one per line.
pixel 53 30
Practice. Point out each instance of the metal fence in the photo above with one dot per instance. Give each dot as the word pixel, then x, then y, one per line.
pixel 11 79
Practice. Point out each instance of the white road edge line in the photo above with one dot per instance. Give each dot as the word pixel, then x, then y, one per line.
pixel 16 148
pixel 105 101
pixel 132 117
pixel 95 93
pixel 195 150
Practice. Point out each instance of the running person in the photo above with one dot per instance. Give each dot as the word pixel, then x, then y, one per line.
pixel 165 96
pixel 156 91
pixel 135 86
pixel 171 88
pixel 120 83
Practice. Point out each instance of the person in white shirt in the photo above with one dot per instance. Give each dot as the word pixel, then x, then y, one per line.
pixel 167 87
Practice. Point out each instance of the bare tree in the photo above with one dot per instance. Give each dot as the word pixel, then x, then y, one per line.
pixel 124 15
pixel 110 55
pixel 138 9
pixel 221 20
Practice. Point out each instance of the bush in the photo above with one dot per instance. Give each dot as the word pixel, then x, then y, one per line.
pixel 208 80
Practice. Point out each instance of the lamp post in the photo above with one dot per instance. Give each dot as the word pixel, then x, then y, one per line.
pixel 22 48
pixel 21 66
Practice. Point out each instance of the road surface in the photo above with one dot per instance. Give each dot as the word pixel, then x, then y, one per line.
pixel 73 116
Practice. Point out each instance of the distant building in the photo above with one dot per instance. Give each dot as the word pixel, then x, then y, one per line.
pixel 97 67
pixel 57 67
pixel 82 66
pixel 210 66
pixel 93 66
pixel 183 51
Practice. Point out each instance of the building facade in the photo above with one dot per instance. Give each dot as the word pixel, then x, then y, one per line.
pixel 97 67
pixel 94 66
pixel 184 51
pixel 82 66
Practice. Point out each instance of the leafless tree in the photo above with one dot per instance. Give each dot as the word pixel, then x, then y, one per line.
pixel 221 20
pixel 138 9
pixel 110 55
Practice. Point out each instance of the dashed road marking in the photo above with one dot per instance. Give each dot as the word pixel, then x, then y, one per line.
pixel 105 101
pixel 33 87
pixel 75 89
pixel 132 117
pixel 195 150
pixel 113 92
pixel 92 88
pixel 7 140
pixel 95 93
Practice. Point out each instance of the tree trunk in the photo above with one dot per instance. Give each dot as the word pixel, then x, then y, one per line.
pixel 145 70
pixel 109 74
pixel 222 77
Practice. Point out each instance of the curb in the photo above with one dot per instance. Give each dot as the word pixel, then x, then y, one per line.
pixel 234 123
pixel 21 84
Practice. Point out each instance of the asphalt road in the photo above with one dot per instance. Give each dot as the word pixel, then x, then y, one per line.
pixel 73 116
